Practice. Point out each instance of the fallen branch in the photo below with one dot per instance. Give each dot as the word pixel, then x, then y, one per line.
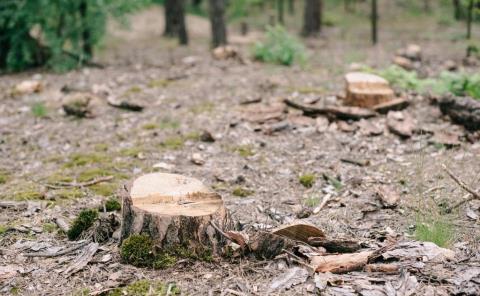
pixel 335 245
pixel 61 185
pixel 464 186
pixel 325 200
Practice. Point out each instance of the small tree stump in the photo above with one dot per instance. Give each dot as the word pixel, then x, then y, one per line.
pixel 175 211
pixel 462 110
pixel 367 90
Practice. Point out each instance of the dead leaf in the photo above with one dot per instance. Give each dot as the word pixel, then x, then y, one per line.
pixel 299 230
pixel 400 123
pixel 388 196
pixel 412 250
pixel 289 278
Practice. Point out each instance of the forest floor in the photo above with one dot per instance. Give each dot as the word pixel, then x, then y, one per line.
pixel 186 92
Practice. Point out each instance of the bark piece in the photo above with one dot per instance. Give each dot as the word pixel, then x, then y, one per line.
pixel 259 113
pixel 340 112
pixel 413 250
pixel 175 211
pixel 393 105
pixel 446 138
pixel 385 268
pixel 462 110
pixel 367 90
pixel 292 277
pixel 335 245
pixel 300 231
pixel 388 196
pixel 82 259
pixel 400 124
pixel 341 263
pixel 124 104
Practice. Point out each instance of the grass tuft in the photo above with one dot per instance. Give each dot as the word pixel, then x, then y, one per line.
pixel 242 192
pixel 39 110
pixel 436 230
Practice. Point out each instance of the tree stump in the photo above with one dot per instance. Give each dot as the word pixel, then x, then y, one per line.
pixel 367 90
pixel 175 211
pixel 462 110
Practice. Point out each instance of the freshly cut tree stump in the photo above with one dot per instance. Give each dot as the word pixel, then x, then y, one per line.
pixel 367 90
pixel 175 211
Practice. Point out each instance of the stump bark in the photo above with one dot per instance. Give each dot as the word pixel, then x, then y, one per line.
pixel 367 90
pixel 175 211
pixel 462 110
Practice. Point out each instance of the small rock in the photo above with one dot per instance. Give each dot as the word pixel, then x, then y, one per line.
pixel 400 124
pixel 403 62
pixel 206 136
pixel 321 124
pixel 78 105
pixel 163 166
pixel 225 52
pixel 28 87
pixel 197 159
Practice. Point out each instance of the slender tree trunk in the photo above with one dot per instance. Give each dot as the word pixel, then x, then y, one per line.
pixel 86 34
pixel 169 8
pixel 457 9
pixel 426 6
pixel 374 20
pixel 291 7
pixel 280 11
pixel 175 20
pixel 469 19
pixel 217 21
pixel 312 17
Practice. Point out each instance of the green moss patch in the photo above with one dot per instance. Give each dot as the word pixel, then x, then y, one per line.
pixel 307 180
pixel 138 250
pixel 84 221
pixel 145 288
pixel 81 159
pixel 28 194
pixel 242 192
pixel 173 143
pixel 104 189
pixel 49 227
pixel 4 177
pixel 71 193
pixel 244 150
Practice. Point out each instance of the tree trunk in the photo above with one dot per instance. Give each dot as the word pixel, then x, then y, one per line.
pixel 217 21
pixel 291 7
pixel 175 211
pixel 374 20
pixel 469 19
pixel 280 12
pixel 312 17
pixel 86 34
pixel 457 9
pixel 175 20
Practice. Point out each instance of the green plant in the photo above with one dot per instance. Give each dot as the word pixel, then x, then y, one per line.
pixel 62 36
pixel 437 230
pixel 307 180
pixel 84 221
pixel 401 78
pixel 279 48
pixel 39 110
pixel 459 84
pixel 112 205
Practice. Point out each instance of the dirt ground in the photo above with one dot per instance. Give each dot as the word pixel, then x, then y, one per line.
pixel 185 92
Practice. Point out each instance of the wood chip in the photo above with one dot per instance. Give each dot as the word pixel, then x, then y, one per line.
pixel 388 196
pixel 82 259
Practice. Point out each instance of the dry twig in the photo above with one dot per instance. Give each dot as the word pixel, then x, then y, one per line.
pixel 464 186
pixel 61 185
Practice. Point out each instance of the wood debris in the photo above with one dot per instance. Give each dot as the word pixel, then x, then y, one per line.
pixel 387 195
pixel 82 259
pixel 462 110
pixel 340 112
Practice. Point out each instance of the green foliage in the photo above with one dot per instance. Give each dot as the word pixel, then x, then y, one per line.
pixel 280 48
pixel 39 110
pixel 437 230
pixel 84 221
pixel 55 33
pixel 401 78
pixel 459 84
pixel 307 180
pixel 312 201
pixel 112 205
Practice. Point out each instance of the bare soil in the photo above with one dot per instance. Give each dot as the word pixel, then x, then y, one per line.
pixel 184 97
